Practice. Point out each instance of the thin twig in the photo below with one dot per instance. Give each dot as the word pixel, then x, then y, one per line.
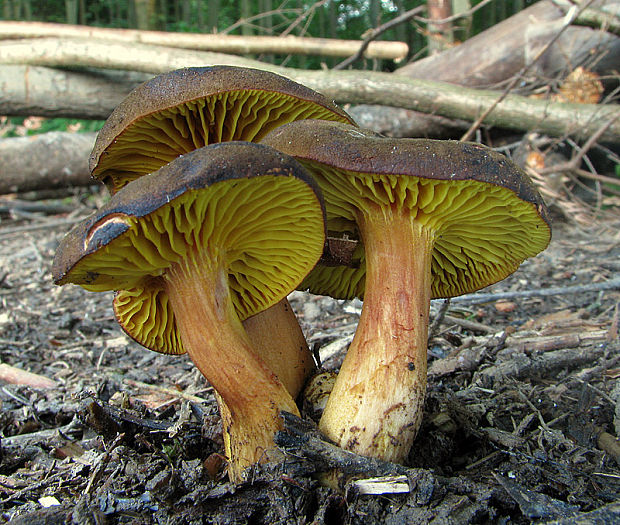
pixel 476 124
pixel 439 317
pixel 478 298
pixel 4 232
pixel 101 464
pixel 306 13
pixel 376 32
pixel 169 391
pixel 456 16
pixel 34 486
pixel 593 18
pixel 259 16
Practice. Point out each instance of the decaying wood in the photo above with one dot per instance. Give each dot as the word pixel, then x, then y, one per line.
pixel 220 43
pixel 17 376
pixel 48 92
pixel 498 54
pixel 49 160
pixel 399 122
pixel 521 365
pixel 514 112
pixel 501 51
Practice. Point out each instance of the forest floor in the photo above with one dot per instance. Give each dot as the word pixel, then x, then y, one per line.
pixel 520 424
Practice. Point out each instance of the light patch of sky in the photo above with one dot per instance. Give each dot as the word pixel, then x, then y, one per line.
pixel 348 10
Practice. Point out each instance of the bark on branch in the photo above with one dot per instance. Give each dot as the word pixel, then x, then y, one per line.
pixel 49 160
pixel 500 52
pixel 235 44
pixel 514 112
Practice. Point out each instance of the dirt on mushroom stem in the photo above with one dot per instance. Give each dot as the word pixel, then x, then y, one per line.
pixel 375 408
pixel 252 393
pixel 70 335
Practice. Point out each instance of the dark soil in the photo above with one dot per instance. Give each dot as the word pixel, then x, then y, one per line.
pixel 521 422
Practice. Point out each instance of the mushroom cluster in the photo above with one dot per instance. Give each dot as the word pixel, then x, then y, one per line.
pixel 231 187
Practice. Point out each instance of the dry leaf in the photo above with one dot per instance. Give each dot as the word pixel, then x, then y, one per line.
pixel 580 86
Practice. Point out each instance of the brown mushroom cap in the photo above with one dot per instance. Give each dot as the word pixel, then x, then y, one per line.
pixel 487 213
pixel 182 110
pixel 255 205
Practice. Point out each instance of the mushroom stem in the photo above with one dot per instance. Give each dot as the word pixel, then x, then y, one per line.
pixel 376 405
pixel 219 346
pixel 276 336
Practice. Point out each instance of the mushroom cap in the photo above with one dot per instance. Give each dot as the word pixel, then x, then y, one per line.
pixel 245 204
pixel 185 109
pixel 485 211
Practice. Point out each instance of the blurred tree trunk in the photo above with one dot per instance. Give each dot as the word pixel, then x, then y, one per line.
pixel 71 11
pixel 401 31
pixel 82 12
pixel 439 34
pixel 213 8
pixel 162 12
pixel 332 26
pixel 375 13
pixel 146 14
pixel 266 23
pixel 186 12
pixel 246 13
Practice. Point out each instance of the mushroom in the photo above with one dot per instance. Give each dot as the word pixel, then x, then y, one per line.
pixel 433 219
pixel 208 240
pixel 179 111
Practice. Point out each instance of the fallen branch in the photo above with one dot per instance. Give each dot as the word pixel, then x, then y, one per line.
pixel 45 225
pixel 221 43
pixel 48 92
pixel 590 17
pixel 17 376
pixel 514 112
pixel 499 53
pixel 478 298
pixel 521 365
pixel 518 78
pixel 9 206
pixel 49 160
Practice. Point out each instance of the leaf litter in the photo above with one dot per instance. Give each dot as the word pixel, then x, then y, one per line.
pixel 521 421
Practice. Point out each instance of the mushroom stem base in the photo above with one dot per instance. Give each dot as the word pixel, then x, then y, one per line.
pixel 376 405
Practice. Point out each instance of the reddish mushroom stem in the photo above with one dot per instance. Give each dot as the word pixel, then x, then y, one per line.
pixel 376 405
pixel 219 346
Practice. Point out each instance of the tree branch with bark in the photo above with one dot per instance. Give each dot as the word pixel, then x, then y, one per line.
pixel 438 98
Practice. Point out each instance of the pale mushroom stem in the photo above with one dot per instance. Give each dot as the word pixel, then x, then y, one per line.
pixel 276 336
pixel 376 405
pixel 217 343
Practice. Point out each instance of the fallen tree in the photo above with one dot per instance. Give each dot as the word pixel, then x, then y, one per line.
pixel 418 106
pixel 508 50
pixel 514 112
pixel 221 43
pixel 49 160
pixel 505 49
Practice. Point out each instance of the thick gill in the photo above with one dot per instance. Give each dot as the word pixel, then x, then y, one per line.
pixel 483 231
pixel 157 139
pixel 147 317
pixel 266 230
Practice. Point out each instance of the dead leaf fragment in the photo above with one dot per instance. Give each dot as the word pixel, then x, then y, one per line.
pixel 580 86
pixel 505 307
